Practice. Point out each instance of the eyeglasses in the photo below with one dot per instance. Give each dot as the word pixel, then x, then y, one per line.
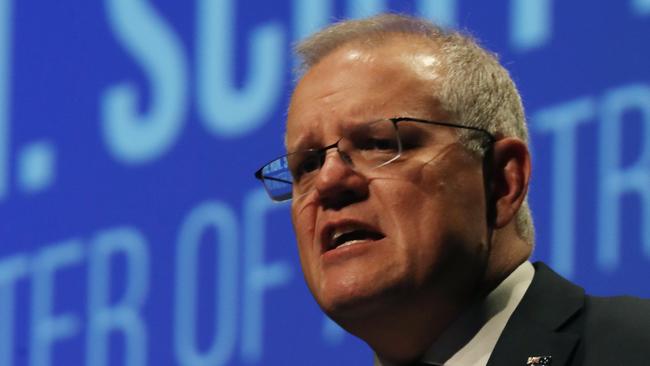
pixel 363 147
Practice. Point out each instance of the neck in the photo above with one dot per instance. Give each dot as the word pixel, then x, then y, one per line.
pixel 401 332
pixel 507 253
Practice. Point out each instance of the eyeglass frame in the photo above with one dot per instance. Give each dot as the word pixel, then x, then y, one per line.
pixel 258 174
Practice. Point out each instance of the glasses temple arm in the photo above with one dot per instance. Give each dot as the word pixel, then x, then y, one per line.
pixel 265 177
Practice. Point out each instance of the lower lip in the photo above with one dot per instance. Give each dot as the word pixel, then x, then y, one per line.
pixel 357 248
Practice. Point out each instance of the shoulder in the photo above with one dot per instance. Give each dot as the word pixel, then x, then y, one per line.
pixel 556 317
pixel 598 317
pixel 615 330
pixel 611 330
pixel 619 307
pixel 618 316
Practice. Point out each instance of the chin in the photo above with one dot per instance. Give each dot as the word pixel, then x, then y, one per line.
pixel 358 300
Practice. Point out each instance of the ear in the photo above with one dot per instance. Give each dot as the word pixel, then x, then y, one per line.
pixel 510 177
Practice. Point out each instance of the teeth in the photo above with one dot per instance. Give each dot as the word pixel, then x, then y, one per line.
pixel 338 234
pixel 344 229
pixel 345 236
pixel 351 242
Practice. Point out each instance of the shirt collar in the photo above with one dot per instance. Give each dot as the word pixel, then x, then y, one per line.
pixel 470 339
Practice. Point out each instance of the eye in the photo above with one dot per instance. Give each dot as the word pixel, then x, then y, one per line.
pixel 384 144
pixel 413 138
pixel 306 162
pixel 378 144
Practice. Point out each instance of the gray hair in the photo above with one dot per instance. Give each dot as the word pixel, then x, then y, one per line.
pixel 475 89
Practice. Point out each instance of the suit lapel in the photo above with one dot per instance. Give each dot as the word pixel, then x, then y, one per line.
pixel 534 329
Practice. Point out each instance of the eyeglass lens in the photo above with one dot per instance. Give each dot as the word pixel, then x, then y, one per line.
pixel 363 147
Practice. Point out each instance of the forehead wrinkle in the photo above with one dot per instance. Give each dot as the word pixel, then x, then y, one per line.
pixel 412 75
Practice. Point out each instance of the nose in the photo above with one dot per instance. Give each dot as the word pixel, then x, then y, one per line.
pixel 337 183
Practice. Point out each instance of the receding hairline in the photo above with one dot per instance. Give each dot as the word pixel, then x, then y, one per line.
pixel 368 33
pixel 376 45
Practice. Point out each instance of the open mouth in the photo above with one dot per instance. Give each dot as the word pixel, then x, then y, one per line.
pixel 344 237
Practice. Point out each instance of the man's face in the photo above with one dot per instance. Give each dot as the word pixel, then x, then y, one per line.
pixel 412 230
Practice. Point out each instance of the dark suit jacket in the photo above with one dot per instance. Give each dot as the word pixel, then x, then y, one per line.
pixel 555 318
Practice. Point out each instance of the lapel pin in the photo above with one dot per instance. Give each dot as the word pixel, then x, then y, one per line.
pixel 539 361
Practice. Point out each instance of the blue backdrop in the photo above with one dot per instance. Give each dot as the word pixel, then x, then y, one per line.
pixel 133 233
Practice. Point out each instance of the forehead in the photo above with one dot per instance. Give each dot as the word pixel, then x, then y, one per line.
pixel 356 84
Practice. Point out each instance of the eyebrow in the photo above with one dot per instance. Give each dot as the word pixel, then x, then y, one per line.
pixel 308 141
pixel 300 143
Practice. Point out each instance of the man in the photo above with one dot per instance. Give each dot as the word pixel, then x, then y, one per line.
pixel 408 169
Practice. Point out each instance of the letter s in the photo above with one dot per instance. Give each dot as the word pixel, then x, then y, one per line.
pixel 135 137
pixel 226 109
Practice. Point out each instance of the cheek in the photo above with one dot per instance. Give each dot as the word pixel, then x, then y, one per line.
pixel 411 216
pixel 431 213
pixel 303 218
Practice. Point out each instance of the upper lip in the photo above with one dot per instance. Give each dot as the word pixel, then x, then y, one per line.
pixel 336 228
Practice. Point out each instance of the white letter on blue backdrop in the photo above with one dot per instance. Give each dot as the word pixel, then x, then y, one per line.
pixel 641 7
pixel 310 16
pixel 562 121
pixel 133 138
pixel 365 8
pixel 616 180
pixel 11 269
pixel 225 109
pixel 259 276
pixel 531 23
pixel 443 12
pixel 220 218
pixel 104 318
pixel 5 81
pixel 45 328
